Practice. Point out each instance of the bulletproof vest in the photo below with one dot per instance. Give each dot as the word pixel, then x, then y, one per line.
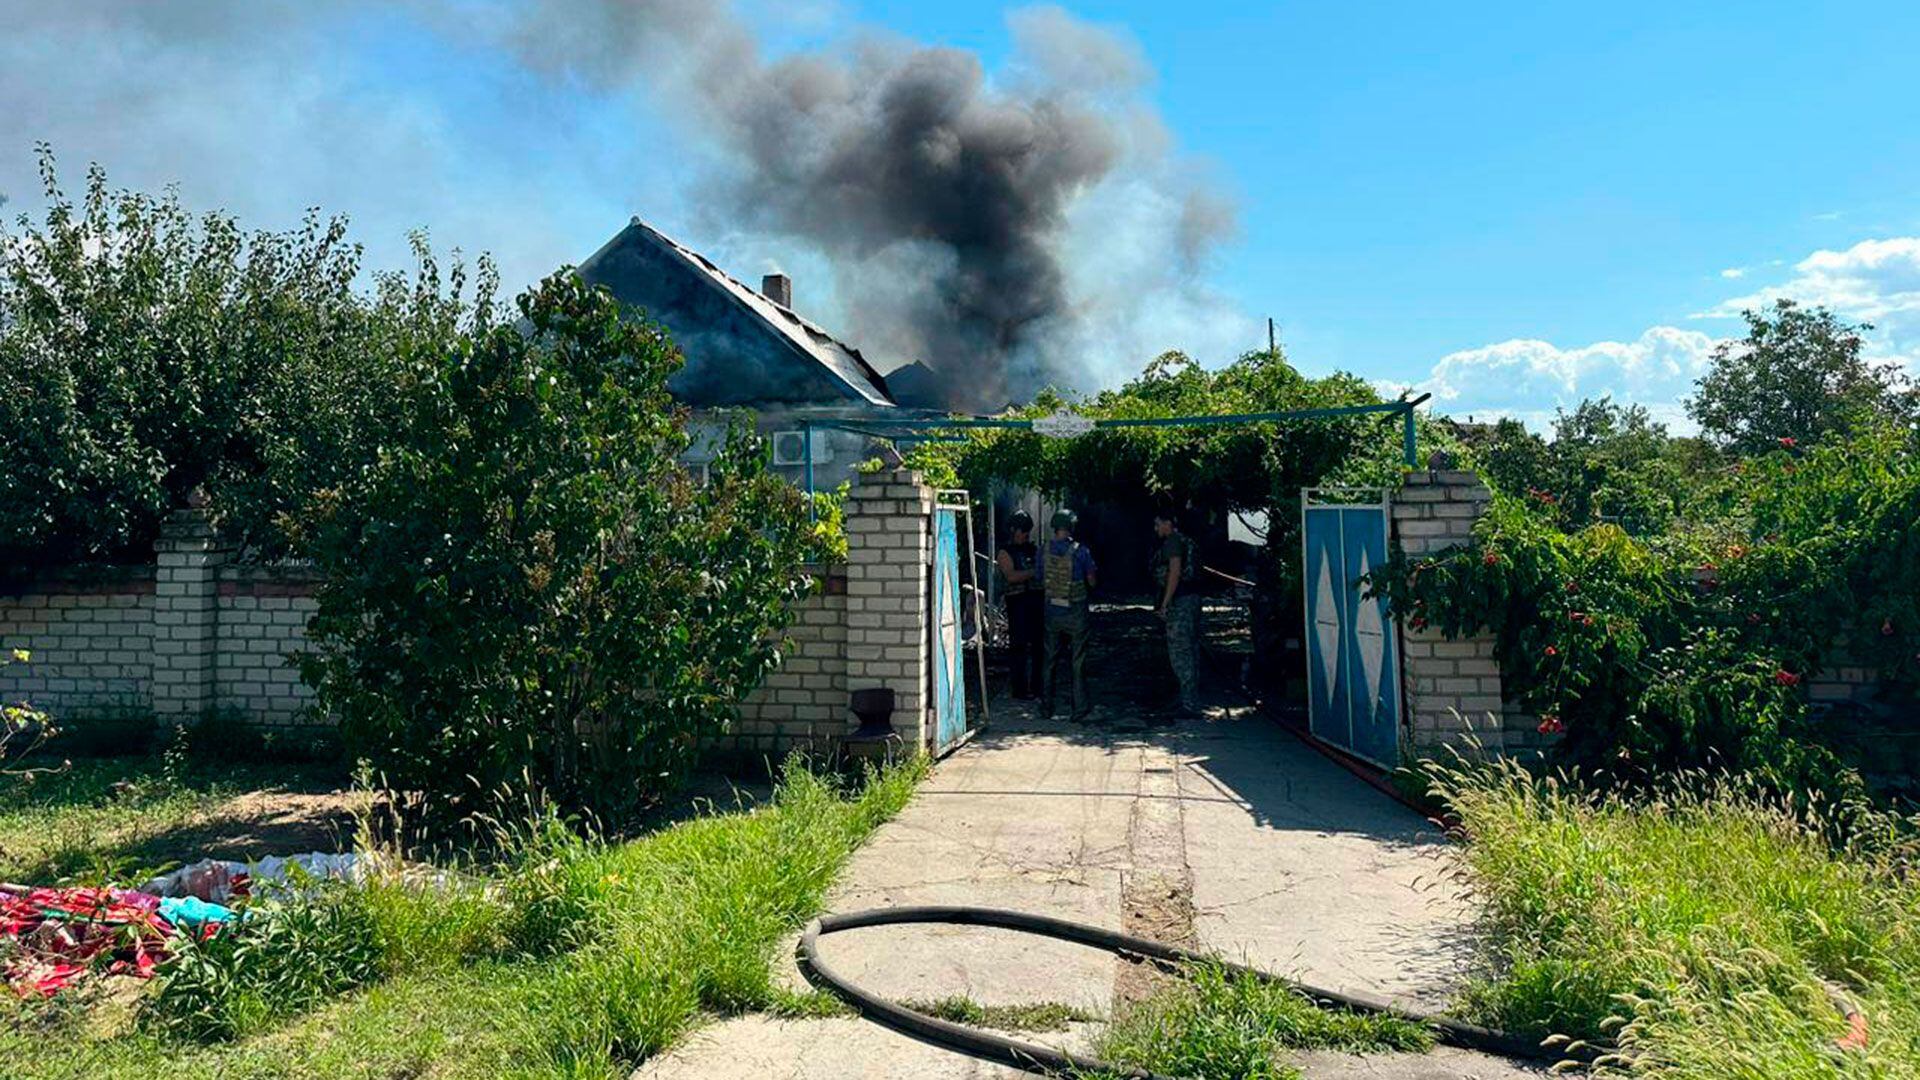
pixel 1023 556
pixel 1062 589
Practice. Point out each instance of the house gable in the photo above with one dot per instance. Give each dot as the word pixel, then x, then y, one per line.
pixel 741 348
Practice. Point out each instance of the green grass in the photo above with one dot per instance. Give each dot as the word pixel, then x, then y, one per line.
pixel 1219 1023
pixel 1031 1016
pixel 1706 930
pixel 582 959
pixel 114 818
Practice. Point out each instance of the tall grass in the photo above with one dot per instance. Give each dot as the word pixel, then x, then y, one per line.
pixel 1222 1023
pixel 579 957
pixel 1708 930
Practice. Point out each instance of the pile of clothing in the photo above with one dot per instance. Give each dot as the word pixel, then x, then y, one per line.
pixel 220 880
pixel 52 937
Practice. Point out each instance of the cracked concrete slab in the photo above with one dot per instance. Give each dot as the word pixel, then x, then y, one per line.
pixel 1291 864
pixel 1301 868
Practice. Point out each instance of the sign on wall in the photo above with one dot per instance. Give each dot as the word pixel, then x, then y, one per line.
pixel 1063 425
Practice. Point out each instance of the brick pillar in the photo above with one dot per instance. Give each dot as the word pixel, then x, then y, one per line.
pixel 1451 685
pixel 185 615
pixel 889 549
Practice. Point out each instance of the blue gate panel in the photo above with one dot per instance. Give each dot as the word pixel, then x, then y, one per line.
pixel 949 682
pixel 1353 677
pixel 1326 657
pixel 1373 686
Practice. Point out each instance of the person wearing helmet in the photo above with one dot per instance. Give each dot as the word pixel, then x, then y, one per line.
pixel 1067 576
pixel 1019 563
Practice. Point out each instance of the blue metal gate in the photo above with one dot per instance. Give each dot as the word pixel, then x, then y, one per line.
pixel 1353 656
pixel 949 671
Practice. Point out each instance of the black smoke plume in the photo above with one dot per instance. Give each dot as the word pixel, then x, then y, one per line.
pixel 942 199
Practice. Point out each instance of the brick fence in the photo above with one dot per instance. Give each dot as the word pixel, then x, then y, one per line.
pixel 194 633
pixel 188 635
pixel 1450 685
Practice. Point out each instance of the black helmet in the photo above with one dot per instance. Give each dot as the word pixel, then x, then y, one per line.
pixel 1020 521
pixel 1065 519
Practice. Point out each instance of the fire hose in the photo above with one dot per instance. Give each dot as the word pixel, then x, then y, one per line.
pixel 1035 1058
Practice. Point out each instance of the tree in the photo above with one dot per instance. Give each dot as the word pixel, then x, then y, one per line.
pixel 1798 375
pixel 145 352
pixel 525 583
pixel 1605 462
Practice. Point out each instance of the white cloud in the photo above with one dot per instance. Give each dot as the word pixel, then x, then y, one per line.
pixel 1530 379
pixel 1875 281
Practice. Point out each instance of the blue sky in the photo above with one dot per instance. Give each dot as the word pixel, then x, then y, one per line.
pixel 1512 205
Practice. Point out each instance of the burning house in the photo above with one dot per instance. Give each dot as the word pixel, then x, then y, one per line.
pixel 748 349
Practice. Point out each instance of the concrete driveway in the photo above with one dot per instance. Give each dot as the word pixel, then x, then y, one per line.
pixel 1228 833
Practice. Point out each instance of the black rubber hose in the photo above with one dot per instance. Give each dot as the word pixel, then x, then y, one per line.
pixel 1025 1055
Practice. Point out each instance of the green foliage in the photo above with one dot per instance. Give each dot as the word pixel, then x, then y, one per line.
pixel 1710 931
pixel 23 728
pixel 525 580
pixel 1237 467
pixel 1605 463
pixel 1798 375
pixel 283 957
pixel 1224 1023
pixel 830 522
pixel 1205 470
pixel 145 353
pixel 1691 648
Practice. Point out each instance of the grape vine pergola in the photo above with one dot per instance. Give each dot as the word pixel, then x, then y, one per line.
pixel 922 429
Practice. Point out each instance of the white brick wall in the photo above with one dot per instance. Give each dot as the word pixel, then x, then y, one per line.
pixel 889 550
pixel 194 633
pixel 258 628
pixel 91 640
pixel 803 702
pixel 1452 686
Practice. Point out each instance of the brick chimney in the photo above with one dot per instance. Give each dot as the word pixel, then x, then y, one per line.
pixel 777 288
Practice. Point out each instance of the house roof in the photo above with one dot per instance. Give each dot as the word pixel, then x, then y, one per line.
pixel 632 262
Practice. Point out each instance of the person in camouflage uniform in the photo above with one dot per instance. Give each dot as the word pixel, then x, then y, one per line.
pixel 1067 576
pixel 1176 563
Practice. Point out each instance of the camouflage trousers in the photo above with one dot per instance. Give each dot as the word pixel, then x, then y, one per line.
pixel 1183 647
pixel 1066 632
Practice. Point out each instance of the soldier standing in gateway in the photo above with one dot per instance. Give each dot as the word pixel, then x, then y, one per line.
pixel 1175 564
pixel 1019 563
pixel 1067 576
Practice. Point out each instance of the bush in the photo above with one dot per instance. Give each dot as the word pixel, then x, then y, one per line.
pixel 524 581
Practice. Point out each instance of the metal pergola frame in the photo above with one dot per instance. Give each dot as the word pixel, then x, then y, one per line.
pixel 927 429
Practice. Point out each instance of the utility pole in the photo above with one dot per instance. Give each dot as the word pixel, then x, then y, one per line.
pixel 1272 344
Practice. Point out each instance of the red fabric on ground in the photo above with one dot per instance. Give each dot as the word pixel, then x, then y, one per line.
pixel 62 934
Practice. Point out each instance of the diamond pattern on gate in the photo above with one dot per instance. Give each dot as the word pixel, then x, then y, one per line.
pixel 1369 627
pixel 1326 624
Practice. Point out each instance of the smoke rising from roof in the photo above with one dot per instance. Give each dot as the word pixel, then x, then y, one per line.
pixel 949 204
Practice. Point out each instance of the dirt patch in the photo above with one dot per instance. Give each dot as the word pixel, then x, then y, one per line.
pixel 1156 891
pixel 261 823
pixel 243 827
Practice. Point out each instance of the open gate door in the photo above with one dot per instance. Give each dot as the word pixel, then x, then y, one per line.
pixel 952 527
pixel 1353 654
